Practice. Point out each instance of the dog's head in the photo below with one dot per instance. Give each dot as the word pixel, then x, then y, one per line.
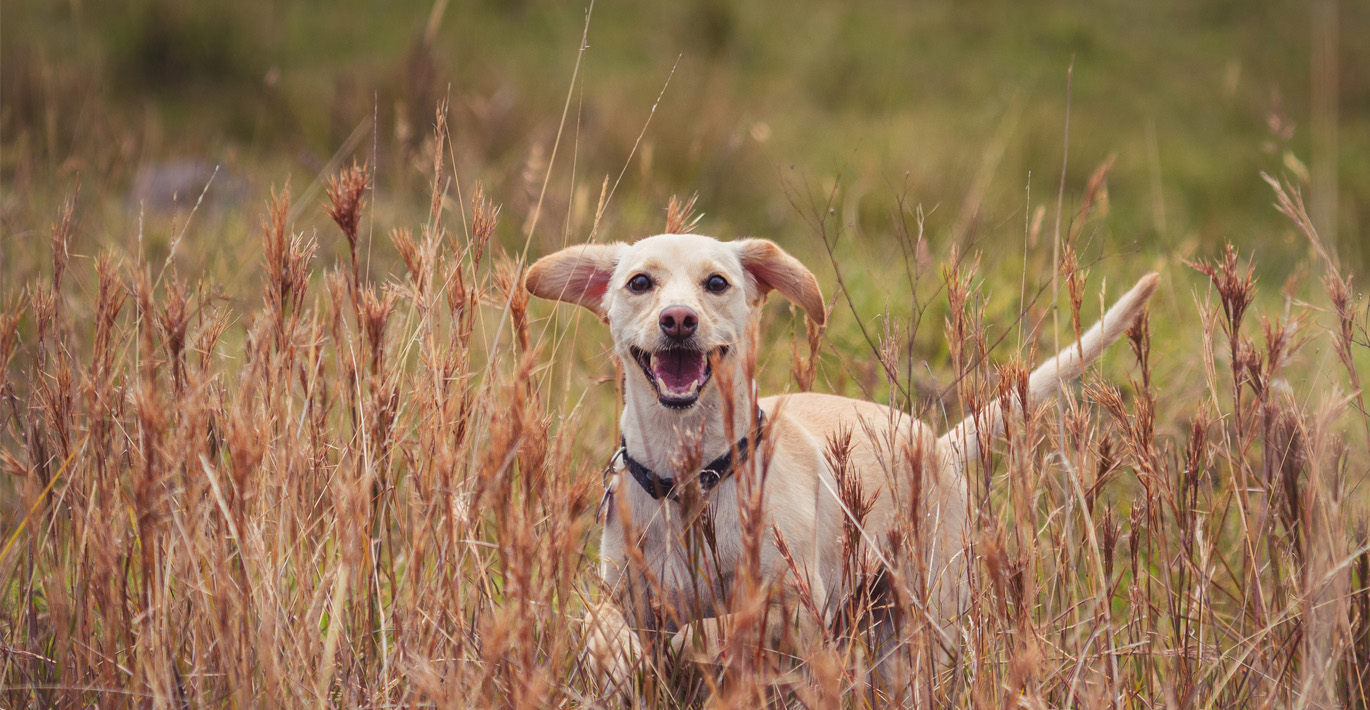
pixel 676 304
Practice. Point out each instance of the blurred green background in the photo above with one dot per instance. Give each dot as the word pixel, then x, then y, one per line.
pixel 958 107
pixel 865 114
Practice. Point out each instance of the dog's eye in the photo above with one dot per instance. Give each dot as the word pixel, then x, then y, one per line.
pixel 716 284
pixel 639 283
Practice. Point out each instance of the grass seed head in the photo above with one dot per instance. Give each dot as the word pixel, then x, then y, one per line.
pixel 1236 290
pixel 9 334
pixel 346 193
pixel 172 321
pixel 681 216
pixel 484 219
pixel 60 240
pixel 374 313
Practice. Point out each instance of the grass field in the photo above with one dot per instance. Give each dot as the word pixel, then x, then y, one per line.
pixel 278 426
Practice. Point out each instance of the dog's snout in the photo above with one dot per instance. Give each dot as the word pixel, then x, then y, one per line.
pixel 678 322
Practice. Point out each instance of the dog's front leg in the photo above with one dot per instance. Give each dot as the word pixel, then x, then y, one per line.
pixel 611 644
pixel 708 640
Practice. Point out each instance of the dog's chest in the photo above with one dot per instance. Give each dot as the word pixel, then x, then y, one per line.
pixel 692 556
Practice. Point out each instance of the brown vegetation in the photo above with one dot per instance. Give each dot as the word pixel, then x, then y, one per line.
pixel 359 495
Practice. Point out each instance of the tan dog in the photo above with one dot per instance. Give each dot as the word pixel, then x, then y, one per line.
pixel 680 307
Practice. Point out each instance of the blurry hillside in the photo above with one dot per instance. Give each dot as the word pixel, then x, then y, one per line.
pixel 958 108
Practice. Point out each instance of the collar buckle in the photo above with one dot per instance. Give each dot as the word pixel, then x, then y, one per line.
pixel 711 475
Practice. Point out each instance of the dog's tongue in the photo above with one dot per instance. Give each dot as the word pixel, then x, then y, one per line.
pixel 678 369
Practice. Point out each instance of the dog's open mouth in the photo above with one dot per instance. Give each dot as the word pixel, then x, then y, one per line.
pixel 677 374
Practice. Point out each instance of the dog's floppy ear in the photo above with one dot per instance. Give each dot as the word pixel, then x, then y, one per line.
pixel 774 269
pixel 578 274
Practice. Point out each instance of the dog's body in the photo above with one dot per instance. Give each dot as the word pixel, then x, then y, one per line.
pixel 679 306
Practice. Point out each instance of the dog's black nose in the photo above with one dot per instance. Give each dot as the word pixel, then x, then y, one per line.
pixel 678 322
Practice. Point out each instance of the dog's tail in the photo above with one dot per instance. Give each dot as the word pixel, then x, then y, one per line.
pixel 963 442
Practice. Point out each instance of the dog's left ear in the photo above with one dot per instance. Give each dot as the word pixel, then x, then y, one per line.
pixel 578 275
pixel 774 269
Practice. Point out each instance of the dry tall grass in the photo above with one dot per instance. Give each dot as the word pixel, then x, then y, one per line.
pixel 357 495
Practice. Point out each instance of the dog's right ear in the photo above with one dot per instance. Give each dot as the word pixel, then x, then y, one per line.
pixel 578 274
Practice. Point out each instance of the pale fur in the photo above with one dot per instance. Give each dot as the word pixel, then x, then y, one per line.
pixel 894 455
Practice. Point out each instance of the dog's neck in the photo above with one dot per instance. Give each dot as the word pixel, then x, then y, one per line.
pixel 660 437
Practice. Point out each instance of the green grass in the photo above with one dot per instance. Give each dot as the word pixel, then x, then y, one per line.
pixel 867 93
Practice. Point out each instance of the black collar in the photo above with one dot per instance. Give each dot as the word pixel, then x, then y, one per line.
pixel 711 475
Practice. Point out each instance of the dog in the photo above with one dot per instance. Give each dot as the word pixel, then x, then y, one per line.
pixel 680 309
